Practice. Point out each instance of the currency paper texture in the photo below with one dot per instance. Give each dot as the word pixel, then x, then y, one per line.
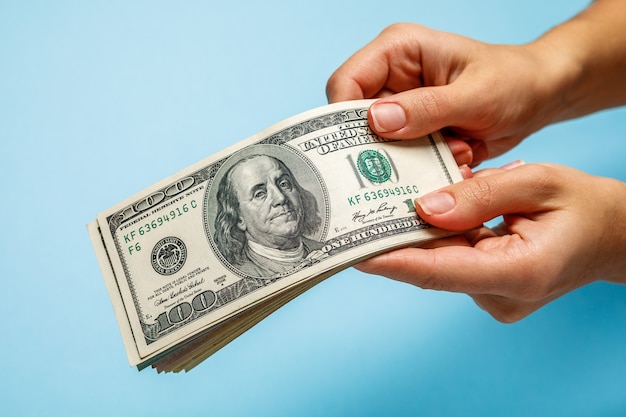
pixel 192 262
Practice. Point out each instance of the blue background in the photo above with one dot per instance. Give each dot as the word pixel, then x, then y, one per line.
pixel 98 100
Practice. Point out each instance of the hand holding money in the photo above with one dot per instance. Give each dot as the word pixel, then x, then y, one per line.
pixel 194 261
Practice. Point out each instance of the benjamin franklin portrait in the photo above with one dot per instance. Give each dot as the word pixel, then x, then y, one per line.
pixel 263 218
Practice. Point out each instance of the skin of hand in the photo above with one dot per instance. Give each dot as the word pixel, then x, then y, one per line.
pixel 491 96
pixel 561 229
pixel 429 80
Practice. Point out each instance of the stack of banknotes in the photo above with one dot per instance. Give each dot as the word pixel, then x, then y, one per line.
pixel 192 262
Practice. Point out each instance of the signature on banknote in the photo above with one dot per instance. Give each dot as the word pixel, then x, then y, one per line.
pixel 383 211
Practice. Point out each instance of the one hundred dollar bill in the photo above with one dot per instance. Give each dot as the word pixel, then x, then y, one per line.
pixel 195 260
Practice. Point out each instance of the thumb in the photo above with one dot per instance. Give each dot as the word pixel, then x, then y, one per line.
pixel 470 203
pixel 418 112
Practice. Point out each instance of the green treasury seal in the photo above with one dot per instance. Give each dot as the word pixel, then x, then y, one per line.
pixel 374 166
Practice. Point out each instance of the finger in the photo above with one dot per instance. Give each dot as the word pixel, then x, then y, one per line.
pixel 419 111
pixel 363 75
pixel 390 63
pixel 477 147
pixel 491 171
pixel 510 310
pixel 503 309
pixel 461 150
pixel 523 190
pixel 480 152
pixel 466 171
pixel 457 240
pixel 449 268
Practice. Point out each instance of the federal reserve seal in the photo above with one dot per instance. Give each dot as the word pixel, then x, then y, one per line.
pixel 374 166
pixel 168 255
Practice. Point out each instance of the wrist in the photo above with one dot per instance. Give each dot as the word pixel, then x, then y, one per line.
pixel 559 84
pixel 585 58
pixel 615 229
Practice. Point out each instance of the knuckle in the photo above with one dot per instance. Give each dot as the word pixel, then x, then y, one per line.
pixel 429 104
pixel 396 27
pixel 545 179
pixel 434 284
pixel 538 172
pixel 428 279
pixel 481 190
pixel 330 86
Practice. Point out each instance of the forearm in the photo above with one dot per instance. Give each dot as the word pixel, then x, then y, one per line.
pixel 587 60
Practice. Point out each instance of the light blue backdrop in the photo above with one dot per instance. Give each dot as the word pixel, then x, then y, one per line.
pixel 101 99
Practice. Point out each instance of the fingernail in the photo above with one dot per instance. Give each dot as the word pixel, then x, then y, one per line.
pixel 466 171
pixel 436 203
pixel 513 164
pixel 387 117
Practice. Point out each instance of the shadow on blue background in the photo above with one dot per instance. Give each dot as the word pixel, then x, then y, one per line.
pixel 101 99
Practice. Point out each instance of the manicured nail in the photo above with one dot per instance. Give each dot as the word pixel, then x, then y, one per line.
pixel 513 164
pixel 436 203
pixel 466 171
pixel 387 117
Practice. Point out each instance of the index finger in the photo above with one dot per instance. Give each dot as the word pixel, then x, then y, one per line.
pixel 363 75
pixel 462 269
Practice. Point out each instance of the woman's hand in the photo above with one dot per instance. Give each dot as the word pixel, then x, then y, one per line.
pixel 491 95
pixel 561 229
